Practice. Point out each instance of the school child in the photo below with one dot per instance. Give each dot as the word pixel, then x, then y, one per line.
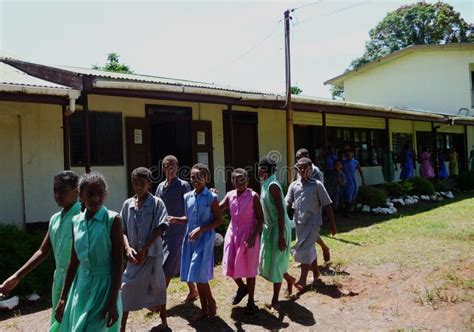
pixel 331 158
pixel 90 299
pixel 442 170
pixel 308 197
pixel 453 163
pixel 172 191
pixel 242 239
pixel 316 174
pixel 335 182
pixel 407 163
pixel 144 221
pixel 350 166
pixel 426 168
pixel 202 216
pixel 58 238
pixel 276 233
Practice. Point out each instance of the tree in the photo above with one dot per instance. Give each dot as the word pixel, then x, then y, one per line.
pixel 416 24
pixel 114 65
pixel 295 90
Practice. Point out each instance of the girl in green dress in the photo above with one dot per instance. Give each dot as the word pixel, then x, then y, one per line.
pixel 90 299
pixel 276 234
pixel 58 239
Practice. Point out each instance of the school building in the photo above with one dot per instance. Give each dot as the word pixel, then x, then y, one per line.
pixel 56 117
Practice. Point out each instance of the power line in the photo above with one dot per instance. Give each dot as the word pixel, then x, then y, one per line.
pixel 334 12
pixel 306 5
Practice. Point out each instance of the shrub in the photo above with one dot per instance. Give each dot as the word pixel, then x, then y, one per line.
pixel 422 186
pixel 398 189
pixel 222 229
pixel 16 247
pixel 465 180
pixel 372 197
pixel 444 185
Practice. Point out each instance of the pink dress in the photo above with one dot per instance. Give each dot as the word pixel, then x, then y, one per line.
pixel 426 170
pixel 240 261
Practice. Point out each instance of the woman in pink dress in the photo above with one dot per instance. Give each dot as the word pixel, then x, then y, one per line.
pixel 426 169
pixel 242 240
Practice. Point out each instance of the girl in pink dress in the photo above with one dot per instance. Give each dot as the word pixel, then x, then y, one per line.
pixel 426 169
pixel 242 240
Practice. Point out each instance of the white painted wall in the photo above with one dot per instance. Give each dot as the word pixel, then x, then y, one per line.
pixel 431 80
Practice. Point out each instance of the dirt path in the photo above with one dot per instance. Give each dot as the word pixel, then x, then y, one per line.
pixel 384 298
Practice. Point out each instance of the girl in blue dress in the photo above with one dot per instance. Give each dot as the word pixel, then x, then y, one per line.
pixel 202 216
pixel 350 166
pixel 407 163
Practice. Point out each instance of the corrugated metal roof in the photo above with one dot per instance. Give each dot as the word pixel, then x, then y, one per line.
pixel 153 79
pixel 9 75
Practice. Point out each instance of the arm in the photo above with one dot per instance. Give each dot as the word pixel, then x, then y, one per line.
pixel 216 223
pixel 331 219
pixel 224 204
pixel 110 311
pixel 289 199
pixel 70 274
pixel 257 208
pixel 35 260
pixel 129 251
pixel 276 195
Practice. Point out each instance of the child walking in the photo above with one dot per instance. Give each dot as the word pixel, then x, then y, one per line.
pixel 242 239
pixel 352 187
pixel 58 238
pixel 144 221
pixel 90 299
pixel 276 233
pixel 308 197
pixel 335 182
pixel 202 215
pixel 172 191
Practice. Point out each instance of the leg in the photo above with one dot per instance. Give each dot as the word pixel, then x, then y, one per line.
pixel 240 283
pixel 193 293
pixel 124 321
pixel 203 299
pixel 325 249
pixel 251 289
pixel 168 280
pixel 301 284
pixel 290 281
pixel 276 294
pixel 315 269
pixel 241 291
pixel 164 322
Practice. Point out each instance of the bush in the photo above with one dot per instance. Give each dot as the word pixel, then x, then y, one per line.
pixel 222 229
pixel 422 186
pixel 16 247
pixel 444 185
pixel 465 180
pixel 398 189
pixel 372 197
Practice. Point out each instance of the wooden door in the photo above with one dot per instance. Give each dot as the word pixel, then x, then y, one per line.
pixel 202 147
pixel 137 145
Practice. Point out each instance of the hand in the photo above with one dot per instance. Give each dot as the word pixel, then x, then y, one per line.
pixel 110 313
pixel 333 229
pixel 195 233
pixel 58 313
pixel 282 243
pixel 174 220
pixel 250 243
pixel 141 256
pixel 8 285
pixel 131 255
pixel 214 190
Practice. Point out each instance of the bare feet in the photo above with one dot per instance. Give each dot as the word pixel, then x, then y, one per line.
pixel 212 308
pixel 326 254
pixel 290 281
pixel 300 286
pixel 275 304
pixel 192 296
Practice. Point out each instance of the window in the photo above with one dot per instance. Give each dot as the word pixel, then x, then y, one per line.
pixel 367 143
pixel 105 139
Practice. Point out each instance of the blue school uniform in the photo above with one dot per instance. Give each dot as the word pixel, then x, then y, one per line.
pixel 351 188
pixel 197 259
pixel 408 169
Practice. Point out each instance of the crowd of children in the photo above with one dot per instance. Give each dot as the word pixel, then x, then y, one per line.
pixel 173 233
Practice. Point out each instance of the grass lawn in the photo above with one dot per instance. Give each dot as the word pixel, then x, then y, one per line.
pixel 412 271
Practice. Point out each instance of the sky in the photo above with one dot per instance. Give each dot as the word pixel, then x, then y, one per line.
pixel 234 43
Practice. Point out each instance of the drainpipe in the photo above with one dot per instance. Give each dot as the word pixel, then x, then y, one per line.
pixel 66 138
pixel 87 139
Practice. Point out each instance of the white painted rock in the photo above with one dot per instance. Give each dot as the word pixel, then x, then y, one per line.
pixel 10 303
pixel 425 197
pixel 33 297
pixel 219 240
pixel 415 200
pixel 389 205
pixel 359 206
pixel 415 197
pixel 433 197
pixel 393 210
pixel 449 194
pixel 366 208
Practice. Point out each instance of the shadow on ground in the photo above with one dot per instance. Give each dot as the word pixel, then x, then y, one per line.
pixel 25 309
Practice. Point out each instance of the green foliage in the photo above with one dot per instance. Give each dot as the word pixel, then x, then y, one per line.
pixel 465 180
pixel 337 92
pixel 421 23
pixel 398 189
pixel 113 64
pixel 444 185
pixel 372 197
pixel 16 247
pixel 422 186
pixel 222 229
pixel 295 90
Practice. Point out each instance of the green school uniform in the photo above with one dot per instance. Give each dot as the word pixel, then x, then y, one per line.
pixel 60 236
pixel 273 262
pixel 93 281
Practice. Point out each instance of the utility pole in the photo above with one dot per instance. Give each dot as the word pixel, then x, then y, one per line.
pixel 289 111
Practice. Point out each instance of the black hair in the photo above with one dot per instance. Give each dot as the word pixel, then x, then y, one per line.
pixel 69 178
pixel 142 172
pixel 268 165
pixel 89 178
pixel 240 171
pixel 305 161
pixel 303 151
pixel 203 169
pixel 170 157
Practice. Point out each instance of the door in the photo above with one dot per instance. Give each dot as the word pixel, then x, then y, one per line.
pixel 11 183
pixel 138 146
pixel 202 147
pixel 241 145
